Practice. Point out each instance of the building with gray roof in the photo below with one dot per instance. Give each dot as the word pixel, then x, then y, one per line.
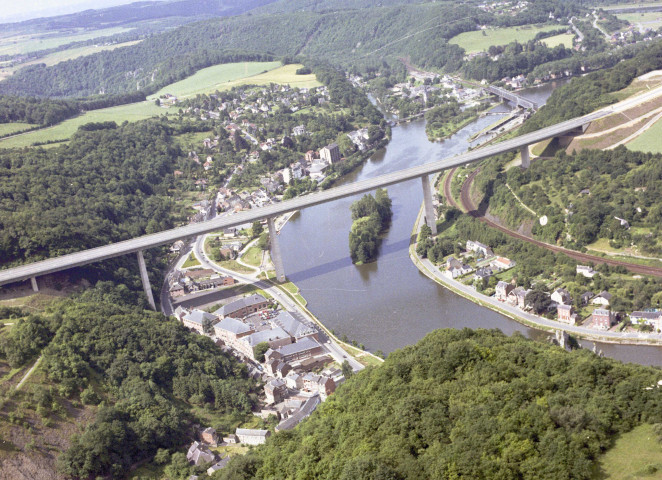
pixel 293 420
pixel 304 348
pixel 196 319
pixel 294 327
pixel 276 337
pixel 243 307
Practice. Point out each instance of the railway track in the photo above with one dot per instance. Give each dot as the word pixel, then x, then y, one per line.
pixel 470 208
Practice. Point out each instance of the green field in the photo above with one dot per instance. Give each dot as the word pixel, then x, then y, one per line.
pixel 636 455
pixel 649 141
pixel 131 112
pixel 564 39
pixel 481 40
pixel 228 75
pixel 9 128
pixel 64 55
pixel 31 43
pixel 253 256
pixel 647 19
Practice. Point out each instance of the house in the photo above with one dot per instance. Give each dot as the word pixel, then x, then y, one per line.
pixel 299 130
pixel 455 272
pixel 230 330
pixel 647 318
pixel 603 298
pixel 623 222
pixel 586 297
pixel 278 368
pixel 294 380
pixel 176 290
pixel 566 314
pixel 177 246
pixel 483 273
pixel 517 297
pixel 303 412
pixel 452 262
pixel 478 247
pixel 603 318
pixel 198 454
pixel 197 319
pixel 330 153
pixel 275 337
pixel 561 296
pixel 231 439
pixel 304 348
pixel 275 390
pixel 502 290
pixel 586 271
pixel 251 436
pixel 243 307
pixel 502 263
pixel 209 436
pixel 218 465
pixel 320 384
pixel 294 327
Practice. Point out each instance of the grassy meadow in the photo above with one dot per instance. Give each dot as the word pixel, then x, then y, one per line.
pixel 564 39
pixel 649 141
pixel 646 19
pixel 9 128
pixel 636 455
pixel 25 43
pixel 64 55
pixel 481 40
pixel 228 75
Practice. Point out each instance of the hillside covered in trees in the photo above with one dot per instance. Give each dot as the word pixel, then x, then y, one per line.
pixel 145 373
pixel 465 405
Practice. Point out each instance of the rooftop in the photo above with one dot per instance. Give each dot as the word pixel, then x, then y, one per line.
pixel 198 316
pixel 266 336
pixel 232 307
pixel 233 325
pixel 291 325
pixel 305 343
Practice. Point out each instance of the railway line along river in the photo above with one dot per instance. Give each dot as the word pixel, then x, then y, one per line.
pixel 389 304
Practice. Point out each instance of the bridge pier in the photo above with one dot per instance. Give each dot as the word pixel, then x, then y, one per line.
pixel 143 275
pixel 35 286
pixel 526 156
pixel 430 217
pixel 276 256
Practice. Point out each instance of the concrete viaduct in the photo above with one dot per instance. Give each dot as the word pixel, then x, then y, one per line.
pixel 512 97
pixel 137 245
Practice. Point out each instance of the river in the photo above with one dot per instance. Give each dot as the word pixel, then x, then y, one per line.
pixel 389 304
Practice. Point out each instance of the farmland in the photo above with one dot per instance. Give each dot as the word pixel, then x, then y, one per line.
pixel 564 39
pixel 649 141
pixel 481 40
pixel 26 43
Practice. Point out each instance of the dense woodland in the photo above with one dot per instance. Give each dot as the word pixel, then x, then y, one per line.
pixel 145 373
pixel 371 216
pixel 465 404
pixel 586 94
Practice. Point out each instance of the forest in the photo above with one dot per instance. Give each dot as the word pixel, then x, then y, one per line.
pixel 162 59
pixel 144 373
pixel 371 217
pixel 465 404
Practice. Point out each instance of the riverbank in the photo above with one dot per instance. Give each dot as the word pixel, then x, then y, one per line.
pixel 530 320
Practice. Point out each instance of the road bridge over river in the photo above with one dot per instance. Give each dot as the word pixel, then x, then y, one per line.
pixel 137 245
pixel 518 100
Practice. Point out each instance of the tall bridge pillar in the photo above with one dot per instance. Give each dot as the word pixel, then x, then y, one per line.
pixel 35 286
pixel 430 217
pixel 526 156
pixel 276 256
pixel 143 275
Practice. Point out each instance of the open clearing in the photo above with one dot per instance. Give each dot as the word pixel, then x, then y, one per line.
pixel 9 128
pixel 138 111
pixel 481 40
pixel 228 75
pixel 564 39
pixel 131 112
pixel 649 141
pixel 646 19
pixel 32 43
pixel 636 455
pixel 64 55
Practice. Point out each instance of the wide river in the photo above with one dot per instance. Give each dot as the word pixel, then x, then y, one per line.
pixel 389 304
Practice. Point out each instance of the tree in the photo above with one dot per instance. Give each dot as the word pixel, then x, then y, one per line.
pixel 347 370
pixel 208 326
pixel 263 241
pixel 539 300
pixel 259 350
pixel 256 229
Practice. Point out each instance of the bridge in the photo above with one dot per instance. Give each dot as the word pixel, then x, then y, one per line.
pixel 137 245
pixel 512 97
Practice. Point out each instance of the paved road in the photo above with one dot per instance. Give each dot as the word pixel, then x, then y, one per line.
pixel 85 257
pixel 169 236
pixel 335 350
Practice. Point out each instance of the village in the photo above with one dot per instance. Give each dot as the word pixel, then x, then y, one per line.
pixel 478 267
pixel 282 351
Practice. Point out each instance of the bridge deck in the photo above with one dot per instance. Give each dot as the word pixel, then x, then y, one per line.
pixel 513 97
pixel 84 257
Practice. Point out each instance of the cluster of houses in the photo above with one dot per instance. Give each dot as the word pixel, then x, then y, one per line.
pixel 190 281
pixel 295 383
pixel 420 92
pixel 488 263
pixel 504 8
